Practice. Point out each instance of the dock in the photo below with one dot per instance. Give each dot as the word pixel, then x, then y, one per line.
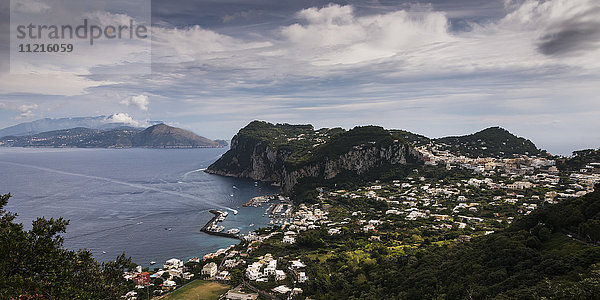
pixel 207 228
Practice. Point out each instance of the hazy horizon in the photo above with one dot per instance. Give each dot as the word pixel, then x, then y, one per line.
pixel 436 68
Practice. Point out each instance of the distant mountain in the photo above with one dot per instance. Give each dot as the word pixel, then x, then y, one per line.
pixel 157 136
pixel 165 136
pixel 491 142
pixel 48 124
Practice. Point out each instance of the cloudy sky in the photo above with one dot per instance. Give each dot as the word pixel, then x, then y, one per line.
pixel 435 67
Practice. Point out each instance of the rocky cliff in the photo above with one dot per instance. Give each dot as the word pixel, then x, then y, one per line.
pixel 284 154
pixel 357 160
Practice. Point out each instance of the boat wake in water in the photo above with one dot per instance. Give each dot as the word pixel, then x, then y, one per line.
pixel 193 171
pixel 134 185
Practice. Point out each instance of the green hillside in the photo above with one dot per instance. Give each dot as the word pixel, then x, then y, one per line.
pixel 490 142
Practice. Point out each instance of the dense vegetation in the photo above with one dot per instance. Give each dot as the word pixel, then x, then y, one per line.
pixel 490 142
pixel 579 159
pixel 269 149
pixel 361 137
pixel 413 138
pixel 532 259
pixel 33 264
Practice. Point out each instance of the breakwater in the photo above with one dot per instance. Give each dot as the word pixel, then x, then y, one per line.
pixel 211 226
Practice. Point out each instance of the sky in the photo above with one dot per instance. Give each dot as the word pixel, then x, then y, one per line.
pixel 435 68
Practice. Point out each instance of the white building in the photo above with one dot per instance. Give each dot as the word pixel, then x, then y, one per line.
pixel 282 289
pixel 302 277
pixel 168 283
pixel 173 263
pixel 333 231
pixel 223 275
pixel 270 268
pixel 253 271
pixel 288 239
pixel 296 264
pixel 209 269
pixel 279 275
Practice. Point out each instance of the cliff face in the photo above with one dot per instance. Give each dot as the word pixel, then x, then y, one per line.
pixel 254 157
pixel 250 158
pixel 359 161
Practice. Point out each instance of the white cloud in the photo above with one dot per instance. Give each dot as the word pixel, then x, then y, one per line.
pixel 59 83
pixel 194 43
pixel 26 110
pixel 398 67
pixel 30 6
pixel 335 35
pixel 140 101
pixel 126 119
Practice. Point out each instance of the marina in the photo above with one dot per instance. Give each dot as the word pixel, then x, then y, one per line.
pixel 213 228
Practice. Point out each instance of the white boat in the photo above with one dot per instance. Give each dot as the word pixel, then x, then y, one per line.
pixel 235 212
pixel 103 252
pixel 152 262
pixel 233 231
pixel 256 183
pixel 251 224
pixel 225 214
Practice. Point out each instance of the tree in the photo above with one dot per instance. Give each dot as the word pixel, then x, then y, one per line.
pixel 33 263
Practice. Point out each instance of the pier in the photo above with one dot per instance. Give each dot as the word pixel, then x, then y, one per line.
pixel 213 222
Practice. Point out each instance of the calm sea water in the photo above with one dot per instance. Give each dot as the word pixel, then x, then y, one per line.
pixel 125 200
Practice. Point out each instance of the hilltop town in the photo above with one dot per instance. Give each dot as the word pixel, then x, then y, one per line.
pixel 450 199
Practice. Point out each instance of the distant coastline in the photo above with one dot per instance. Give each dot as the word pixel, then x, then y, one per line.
pixel 160 136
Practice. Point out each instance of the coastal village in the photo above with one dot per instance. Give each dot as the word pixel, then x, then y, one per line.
pixel 478 197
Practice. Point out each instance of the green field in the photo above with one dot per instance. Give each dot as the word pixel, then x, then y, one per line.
pixel 199 290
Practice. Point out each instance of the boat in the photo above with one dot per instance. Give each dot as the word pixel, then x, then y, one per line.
pixel 103 252
pixel 152 262
pixel 219 229
pixel 235 187
pixel 233 231
pixel 235 212
pixel 251 224
pixel 225 214
pixel 256 183
pixel 168 228
pixel 140 222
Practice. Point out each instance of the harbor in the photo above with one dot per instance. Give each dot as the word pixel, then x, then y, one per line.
pixel 213 227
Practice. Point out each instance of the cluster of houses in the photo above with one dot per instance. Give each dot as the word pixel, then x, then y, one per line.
pixel 444 205
pixel 172 268
pixel 526 184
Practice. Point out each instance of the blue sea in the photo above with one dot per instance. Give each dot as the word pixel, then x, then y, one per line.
pixel 148 203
